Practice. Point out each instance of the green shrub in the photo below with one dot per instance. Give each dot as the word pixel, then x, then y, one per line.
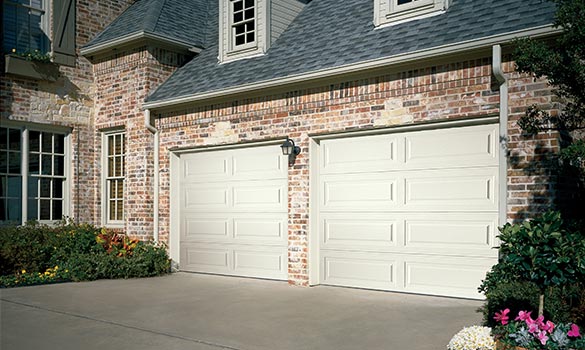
pixel 34 254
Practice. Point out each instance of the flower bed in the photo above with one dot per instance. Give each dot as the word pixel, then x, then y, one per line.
pixel 39 254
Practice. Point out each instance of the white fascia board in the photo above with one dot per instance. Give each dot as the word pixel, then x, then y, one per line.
pixel 142 35
pixel 459 47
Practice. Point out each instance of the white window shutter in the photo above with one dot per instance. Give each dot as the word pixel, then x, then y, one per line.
pixel 64 32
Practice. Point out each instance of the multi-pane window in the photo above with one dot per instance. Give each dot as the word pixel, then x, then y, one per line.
pixel 25 25
pixel 10 175
pixel 44 174
pixel 402 5
pixel 243 23
pixel 46 169
pixel 115 145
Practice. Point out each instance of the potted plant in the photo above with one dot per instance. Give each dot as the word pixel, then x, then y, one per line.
pixel 35 65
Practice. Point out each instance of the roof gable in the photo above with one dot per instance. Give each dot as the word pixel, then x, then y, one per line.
pixel 333 33
pixel 183 21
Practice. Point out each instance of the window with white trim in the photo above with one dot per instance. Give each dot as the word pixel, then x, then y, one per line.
pixel 113 189
pixel 243 23
pixel 44 166
pixel 243 29
pixel 393 11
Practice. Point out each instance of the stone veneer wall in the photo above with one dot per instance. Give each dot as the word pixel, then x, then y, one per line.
pixel 67 102
pixel 464 89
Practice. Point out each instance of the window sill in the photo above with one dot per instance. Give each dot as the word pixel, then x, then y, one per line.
pixel 15 65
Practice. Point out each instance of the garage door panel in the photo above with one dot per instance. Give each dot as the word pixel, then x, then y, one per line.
pixel 448 148
pixel 260 196
pixel 234 212
pixel 358 229
pixel 208 258
pixel 358 270
pixel 362 192
pixel 206 197
pixel 454 234
pixel 261 163
pixel 263 230
pixel 206 228
pixel 445 275
pixel 266 263
pixel 465 189
pixel 427 211
pixel 203 167
pixel 347 156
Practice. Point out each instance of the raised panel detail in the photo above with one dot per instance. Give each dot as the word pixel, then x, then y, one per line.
pixel 205 228
pixel 358 272
pixel 365 232
pixel 455 234
pixel 347 155
pixel 259 197
pixel 359 193
pixel 449 148
pixel 207 257
pixel 451 190
pixel 206 197
pixel 200 167
pixel 260 164
pixel 259 229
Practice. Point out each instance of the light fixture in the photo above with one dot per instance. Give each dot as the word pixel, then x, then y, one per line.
pixel 289 149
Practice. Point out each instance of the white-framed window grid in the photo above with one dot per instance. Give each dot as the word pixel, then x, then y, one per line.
pixel 34 172
pixel 114 161
pixel 406 5
pixel 243 24
pixel 26 25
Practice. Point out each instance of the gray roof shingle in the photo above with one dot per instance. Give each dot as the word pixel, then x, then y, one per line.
pixel 332 33
pixel 184 20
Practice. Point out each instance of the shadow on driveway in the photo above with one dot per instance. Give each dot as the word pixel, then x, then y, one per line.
pixel 202 312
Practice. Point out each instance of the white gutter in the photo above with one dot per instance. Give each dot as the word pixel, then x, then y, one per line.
pixel 142 35
pixel 503 171
pixel 155 132
pixel 352 68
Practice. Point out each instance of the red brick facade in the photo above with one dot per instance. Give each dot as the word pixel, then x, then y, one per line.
pixel 108 94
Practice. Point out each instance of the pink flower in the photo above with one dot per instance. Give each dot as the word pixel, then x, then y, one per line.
pixel 523 316
pixel 502 316
pixel 533 327
pixel 549 326
pixel 542 337
pixel 574 332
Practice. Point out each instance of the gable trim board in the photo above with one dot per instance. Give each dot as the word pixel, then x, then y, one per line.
pixel 134 38
pixel 460 47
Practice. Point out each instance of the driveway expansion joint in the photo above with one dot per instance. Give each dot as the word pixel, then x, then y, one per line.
pixel 198 341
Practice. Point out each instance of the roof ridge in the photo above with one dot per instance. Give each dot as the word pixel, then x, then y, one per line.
pixel 153 15
pixel 207 22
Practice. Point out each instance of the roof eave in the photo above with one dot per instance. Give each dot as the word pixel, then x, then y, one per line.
pixel 137 37
pixel 459 47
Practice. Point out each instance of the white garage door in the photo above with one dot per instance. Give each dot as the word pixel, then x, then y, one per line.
pixel 234 212
pixel 414 211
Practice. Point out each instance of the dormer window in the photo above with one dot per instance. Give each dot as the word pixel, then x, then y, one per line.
pixel 243 23
pixel 398 11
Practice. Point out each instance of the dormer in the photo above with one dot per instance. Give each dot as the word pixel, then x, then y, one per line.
pixel 248 27
pixel 399 11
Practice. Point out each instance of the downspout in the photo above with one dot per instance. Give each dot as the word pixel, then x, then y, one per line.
pixel 154 131
pixel 503 149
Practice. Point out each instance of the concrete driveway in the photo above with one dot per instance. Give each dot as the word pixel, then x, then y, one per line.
pixel 202 312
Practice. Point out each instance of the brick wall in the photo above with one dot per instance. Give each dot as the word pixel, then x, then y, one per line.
pixel 464 89
pixel 68 102
pixel 122 82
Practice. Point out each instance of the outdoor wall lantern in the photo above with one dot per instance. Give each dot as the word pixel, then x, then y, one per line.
pixel 289 149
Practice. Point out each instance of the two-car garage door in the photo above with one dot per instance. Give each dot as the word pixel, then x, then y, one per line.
pixel 413 211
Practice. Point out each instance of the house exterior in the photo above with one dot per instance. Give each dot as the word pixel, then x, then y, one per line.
pixel 167 119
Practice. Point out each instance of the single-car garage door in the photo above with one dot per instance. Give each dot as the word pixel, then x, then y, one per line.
pixel 233 212
pixel 413 211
